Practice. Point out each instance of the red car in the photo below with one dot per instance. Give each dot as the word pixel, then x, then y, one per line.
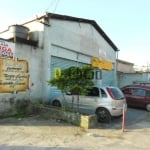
pixel 137 96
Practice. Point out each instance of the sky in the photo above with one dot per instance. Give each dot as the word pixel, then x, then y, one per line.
pixel 126 22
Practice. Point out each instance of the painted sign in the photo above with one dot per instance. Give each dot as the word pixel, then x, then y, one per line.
pixel 57 73
pixel 102 64
pixel 7 49
pixel 13 75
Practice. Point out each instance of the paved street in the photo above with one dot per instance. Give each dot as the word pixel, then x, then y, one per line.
pixel 133 116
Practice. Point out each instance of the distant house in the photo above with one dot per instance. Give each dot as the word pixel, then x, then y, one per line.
pixel 127 74
pixel 124 66
pixel 45 45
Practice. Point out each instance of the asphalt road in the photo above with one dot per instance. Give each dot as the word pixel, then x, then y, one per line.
pixel 136 115
pixel 133 116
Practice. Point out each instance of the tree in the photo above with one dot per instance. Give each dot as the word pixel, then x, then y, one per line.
pixel 74 79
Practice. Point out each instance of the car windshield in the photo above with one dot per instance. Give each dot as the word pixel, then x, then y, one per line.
pixel 117 93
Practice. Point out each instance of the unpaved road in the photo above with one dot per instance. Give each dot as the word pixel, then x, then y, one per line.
pixel 35 133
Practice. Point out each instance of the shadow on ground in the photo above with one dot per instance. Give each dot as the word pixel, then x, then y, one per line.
pixel 5 147
pixel 133 116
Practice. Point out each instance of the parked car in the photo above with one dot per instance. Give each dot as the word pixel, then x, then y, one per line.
pixel 106 102
pixel 137 96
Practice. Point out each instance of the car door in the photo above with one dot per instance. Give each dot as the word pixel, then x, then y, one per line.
pixel 147 97
pixel 128 94
pixel 138 97
pixel 70 100
pixel 88 103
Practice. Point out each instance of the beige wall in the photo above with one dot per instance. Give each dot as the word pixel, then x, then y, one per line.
pixel 125 67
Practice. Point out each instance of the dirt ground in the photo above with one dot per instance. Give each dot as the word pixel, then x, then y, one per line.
pixel 35 133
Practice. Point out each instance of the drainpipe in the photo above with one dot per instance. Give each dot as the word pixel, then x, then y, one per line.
pixel 116 70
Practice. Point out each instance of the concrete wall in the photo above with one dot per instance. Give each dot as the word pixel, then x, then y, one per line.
pixel 33 57
pixel 80 37
pixel 130 78
pixel 36 58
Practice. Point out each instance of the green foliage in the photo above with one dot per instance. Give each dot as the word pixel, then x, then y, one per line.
pixel 74 79
pixel 37 103
pixel 22 108
pixel 68 109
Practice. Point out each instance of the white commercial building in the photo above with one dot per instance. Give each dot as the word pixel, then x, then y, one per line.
pixel 48 43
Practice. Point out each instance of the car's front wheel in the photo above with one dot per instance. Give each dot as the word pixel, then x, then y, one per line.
pixel 103 115
pixel 148 107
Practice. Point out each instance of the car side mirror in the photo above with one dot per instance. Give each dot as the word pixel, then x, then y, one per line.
pixel 68 93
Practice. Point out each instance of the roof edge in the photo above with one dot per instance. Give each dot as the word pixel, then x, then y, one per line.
pixel 66 17
pixel 92 22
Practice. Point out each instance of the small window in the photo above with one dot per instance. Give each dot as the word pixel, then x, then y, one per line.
pixel 147 93
pixel 115 93
pixel 138 92
pixel 93 92
pixel 127 91
pixel 103 93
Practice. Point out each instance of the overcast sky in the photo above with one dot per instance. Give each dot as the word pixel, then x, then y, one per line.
pixel 126 22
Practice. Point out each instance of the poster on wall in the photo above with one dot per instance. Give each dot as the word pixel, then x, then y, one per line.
pixel 7 49
pixel 13 75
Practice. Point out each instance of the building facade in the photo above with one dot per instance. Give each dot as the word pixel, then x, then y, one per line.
pixel 52 42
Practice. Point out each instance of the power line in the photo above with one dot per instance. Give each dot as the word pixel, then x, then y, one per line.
pixel 53 3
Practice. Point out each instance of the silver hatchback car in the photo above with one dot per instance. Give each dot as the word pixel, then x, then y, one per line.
pixel 104 101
